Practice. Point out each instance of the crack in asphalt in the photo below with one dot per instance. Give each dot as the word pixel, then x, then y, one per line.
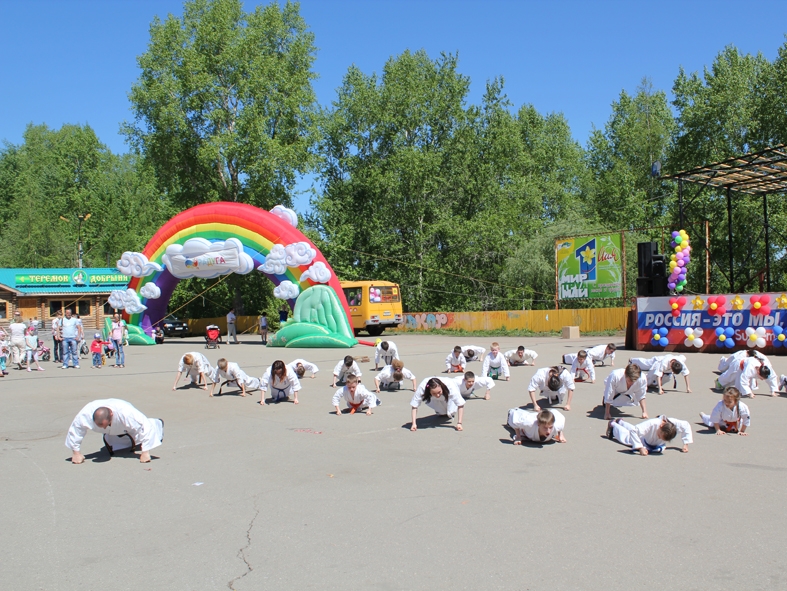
pixel 242 552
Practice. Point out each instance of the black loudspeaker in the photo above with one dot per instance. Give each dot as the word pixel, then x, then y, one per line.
pixel 659 268
pixel 650 287
pixel 645 253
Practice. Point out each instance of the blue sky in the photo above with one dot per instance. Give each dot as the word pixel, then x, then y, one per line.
pixel 75 61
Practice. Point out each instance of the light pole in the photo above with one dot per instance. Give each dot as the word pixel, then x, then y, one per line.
pixel 82 217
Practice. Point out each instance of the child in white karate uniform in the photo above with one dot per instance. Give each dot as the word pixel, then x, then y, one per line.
pixel 661 365
pixel 597 354
pixel 455 362
pixel 553 382
pixel 197 368
pixel 391 376
pixel 469 383
pixel 542 426
pixel 386 352
pixel 775 382
pixel 744 376
pixel 652 436
pixel 355 395
pixel 283 382
pixel 521 356
pixel 301 366
pixel 583 368
pixel 442 396
pixel 473 352
pixel 625 387
pixel 343 368
pixel 495 365
pixel 730 415
pixel 233 374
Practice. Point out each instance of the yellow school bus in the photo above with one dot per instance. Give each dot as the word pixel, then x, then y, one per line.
pixel 373 305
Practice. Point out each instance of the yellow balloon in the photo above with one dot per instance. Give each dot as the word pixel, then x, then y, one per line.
pixel 673 257
pixel 672 264
pixel 678 248
pixel 781 337
pixel 722 337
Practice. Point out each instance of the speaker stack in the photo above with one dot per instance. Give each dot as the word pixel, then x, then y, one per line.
pixel 652 267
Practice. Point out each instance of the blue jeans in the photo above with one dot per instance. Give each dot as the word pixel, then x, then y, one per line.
pixel 120 358
pixel 96 359
pixel 70 352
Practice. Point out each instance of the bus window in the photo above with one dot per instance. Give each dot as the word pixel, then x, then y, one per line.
pixel 384 295
pixel 353 295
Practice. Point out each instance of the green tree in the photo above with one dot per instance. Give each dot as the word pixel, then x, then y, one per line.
pixel 224 106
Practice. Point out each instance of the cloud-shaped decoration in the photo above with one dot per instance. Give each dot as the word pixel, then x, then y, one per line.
pixel 287 214
pixel 755 337
pixel 198 257
pixel 318 273
pixel 299 253
pixel 136 264
pixel 286 290
pixel 276 261
pixel 127 300
pixel 150 291
pixel 693 337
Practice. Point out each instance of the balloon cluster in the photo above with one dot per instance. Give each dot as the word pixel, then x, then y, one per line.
pixel 779 337
pixel 658 337
pixel 725 337
pixel 679 260
pixel 375 295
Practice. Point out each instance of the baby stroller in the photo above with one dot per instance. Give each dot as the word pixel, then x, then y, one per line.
pixel 212 337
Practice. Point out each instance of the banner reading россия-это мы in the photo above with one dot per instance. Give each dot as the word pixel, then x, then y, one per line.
pixel 589 267
pixel 713 323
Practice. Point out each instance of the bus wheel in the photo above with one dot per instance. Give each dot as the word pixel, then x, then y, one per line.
pixel 375 331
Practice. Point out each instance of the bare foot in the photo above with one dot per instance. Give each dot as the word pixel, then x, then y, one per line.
pixel 144 457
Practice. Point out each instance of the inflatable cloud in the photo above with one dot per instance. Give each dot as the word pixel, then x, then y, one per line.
pixel 276 261
pixel 287 214
pixel 136 264
pixel 318 273
pixel 150 291
pixel 198 257
pixel 127 300
pixel 299 253
pixel 286 290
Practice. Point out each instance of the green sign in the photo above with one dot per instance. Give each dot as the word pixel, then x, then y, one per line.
pixel 48 279
pixel 96 279
pixel 77 277
pixel 589 267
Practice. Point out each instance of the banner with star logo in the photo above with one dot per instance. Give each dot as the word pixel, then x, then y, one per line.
pixel 589 267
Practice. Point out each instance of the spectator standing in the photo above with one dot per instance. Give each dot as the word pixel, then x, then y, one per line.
pixel 231 332
pixel 57 349
pixel 70 334
pixel 116 335
pixel 16 334
pixel 264 328
pixel 284 313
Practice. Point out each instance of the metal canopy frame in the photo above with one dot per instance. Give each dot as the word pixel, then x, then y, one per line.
pixel 756 173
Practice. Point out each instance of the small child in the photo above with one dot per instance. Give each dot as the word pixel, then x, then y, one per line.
pixel 473 352
pixel 301 366
pixel 391 376
pixel 744 376
pixel 386 352
pixel 31 348
pixel 597 355
pixel 455 362
pixel 521 356
pixel 495 365
pixel 283 382
pixel 582 368
pixel 197 368
pixel 343 368
pixel 661 365
pixel 625 387
pixel 97 349
pixel 540 427
pixel 469 383
pixel 730 415
pixel 4 351
pixel 233 374
pixel 264 328
pixel 650 436
pixel 554 382
pixel 356 396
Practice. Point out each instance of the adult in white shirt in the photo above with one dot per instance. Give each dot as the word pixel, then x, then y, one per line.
pixel 521 356
pixel 233 374
pixel 197 369
pixel 650 436
pixel 16 338
pixel 356 396
pixel 116 419
pixel 625 387
pixel 231 332
pixel 391 376
pixel 469 383
pixel 546 425
pixel 442 396
pixel 71 332
pixel 553 382
pixel 386 352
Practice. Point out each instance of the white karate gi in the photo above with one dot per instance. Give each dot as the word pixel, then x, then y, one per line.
pixel 514 358
pixel 386 356
pixel 147 433
pixel 362 398
pixel 281 388
pixel 440 405
pixel 538 383
pixel 616 393
pixel 527 421
pixel 341 370
pixel 742 355
pixel 645 433
pixel 736 416
pixel 234 373
pixel 452 362
pixel 293 365
pixel 742 375
pixel 385 376
pixel 481 383
pixel 586 369
pixel 499 362
pixel 597 354
pixel 659 366
pixel 478 352
pixel 200 365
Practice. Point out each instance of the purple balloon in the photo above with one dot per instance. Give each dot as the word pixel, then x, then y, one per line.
pixel 675 234
pixel 672 285
pixel 679 255
pixel 687 259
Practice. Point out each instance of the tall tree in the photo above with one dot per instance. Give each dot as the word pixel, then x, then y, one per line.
pixel 224 106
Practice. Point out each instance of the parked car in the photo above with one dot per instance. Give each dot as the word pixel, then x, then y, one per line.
pixel 175 327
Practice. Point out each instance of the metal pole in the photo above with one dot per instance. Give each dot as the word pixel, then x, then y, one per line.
pixel 767 244
pixel 729 238
pixel 79 245
pixel 623 261
pixel 707 256
pixel 557 282
pixel 680 202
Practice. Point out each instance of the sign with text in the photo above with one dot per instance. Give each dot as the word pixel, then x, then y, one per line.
pixel 713 323
pixel 76 278
pixel 589 267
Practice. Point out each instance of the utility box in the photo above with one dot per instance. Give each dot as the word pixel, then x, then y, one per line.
pixel 570 332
